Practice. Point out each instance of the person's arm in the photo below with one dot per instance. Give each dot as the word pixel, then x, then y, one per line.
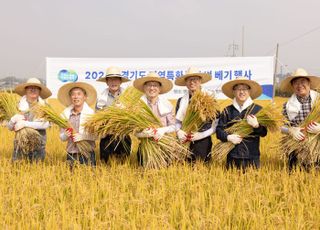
pixel 222 123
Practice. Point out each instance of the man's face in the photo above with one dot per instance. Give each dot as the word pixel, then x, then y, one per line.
pixel 193 83
pixel 241 92
pixel 78 97
pixel 32 93
pixel 152 89
pixel 301 86
pixel 113 83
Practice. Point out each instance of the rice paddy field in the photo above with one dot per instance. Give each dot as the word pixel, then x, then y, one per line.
pixel 122 195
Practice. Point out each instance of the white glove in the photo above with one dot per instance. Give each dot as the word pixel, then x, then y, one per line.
pixel 234 139
pixel 17 117
pixel 19 125
pixel 296 133
pixel 78 137
pixel 159 133
pixel 252 121
pixel 313 127
pixel 148 132
pixel 197 136
pixel 182 136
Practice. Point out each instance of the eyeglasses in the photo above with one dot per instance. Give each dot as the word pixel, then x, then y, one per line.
pixel 152 85
pixel 242 89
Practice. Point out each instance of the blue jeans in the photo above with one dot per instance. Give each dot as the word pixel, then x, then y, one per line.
pixel 36 156
pixel 72 157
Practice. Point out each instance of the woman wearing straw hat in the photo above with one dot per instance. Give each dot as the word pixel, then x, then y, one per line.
pixel 77 97
pixel 200 142
pixel 152 85
pixel 246 151
pixel 113 79
pixel 32 92
pixel 298 107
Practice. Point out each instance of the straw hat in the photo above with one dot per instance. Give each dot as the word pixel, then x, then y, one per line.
pixel 286 86
pixel 255 87
pixel 113 72
pixel 193 71
pixel 64 97
pixel 21 88
pixel 166 85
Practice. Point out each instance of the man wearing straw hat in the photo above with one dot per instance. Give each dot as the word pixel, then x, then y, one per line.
pixel 113 79
pixel 152 85
pixel 200 142
pixel 298 107
pixel 246 151
pixel 31 92
pixel 77 97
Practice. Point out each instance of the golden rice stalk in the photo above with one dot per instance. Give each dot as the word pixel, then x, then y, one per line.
pixel 48 113
pixel 130 115
pixel 308 150
pixel 8 105
pixel 27 139
pixel 202 107
pixel 268 117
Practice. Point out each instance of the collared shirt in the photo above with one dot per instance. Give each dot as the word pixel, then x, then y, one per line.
pixel 166 119
pixel 74 120
pixel 303 113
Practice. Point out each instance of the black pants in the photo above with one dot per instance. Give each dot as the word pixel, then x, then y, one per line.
pixel 293 163
pixel 117 148
pixel 201 150
pixel 241 163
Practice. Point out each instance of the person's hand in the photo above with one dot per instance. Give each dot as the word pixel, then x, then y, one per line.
pixel 19 125
pixel 182 136
pixel 313 127
pixel 69 133
pixel 159 133
pixel 197 136
pixel 234 139
pixel 252 121
pixel 16 118
pixel 296 133
pixel 146 133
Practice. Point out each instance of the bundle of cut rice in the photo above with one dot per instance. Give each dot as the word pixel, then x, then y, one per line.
pixel 129 115
pixel 203 107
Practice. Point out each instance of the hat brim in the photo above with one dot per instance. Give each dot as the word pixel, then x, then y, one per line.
pixel 44 92
pixel 166 85
pixel 64 97
pixel 255 88
pixel 123 79
pixel 181 81
pixel 286 86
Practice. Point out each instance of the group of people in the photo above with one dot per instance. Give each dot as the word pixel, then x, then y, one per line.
pixel 77 97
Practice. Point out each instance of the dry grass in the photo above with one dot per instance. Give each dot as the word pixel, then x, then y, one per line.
pixel 123 196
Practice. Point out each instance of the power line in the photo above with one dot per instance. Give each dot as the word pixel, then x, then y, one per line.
pixel 294 39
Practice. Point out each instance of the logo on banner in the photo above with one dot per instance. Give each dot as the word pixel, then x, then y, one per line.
pixel 67 75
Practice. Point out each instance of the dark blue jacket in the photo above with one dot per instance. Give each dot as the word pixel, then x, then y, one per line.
pixel 249 147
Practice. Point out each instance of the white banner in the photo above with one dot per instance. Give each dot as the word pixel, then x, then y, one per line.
pixel 260 69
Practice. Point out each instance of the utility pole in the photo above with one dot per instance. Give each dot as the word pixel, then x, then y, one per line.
pixel 234 47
